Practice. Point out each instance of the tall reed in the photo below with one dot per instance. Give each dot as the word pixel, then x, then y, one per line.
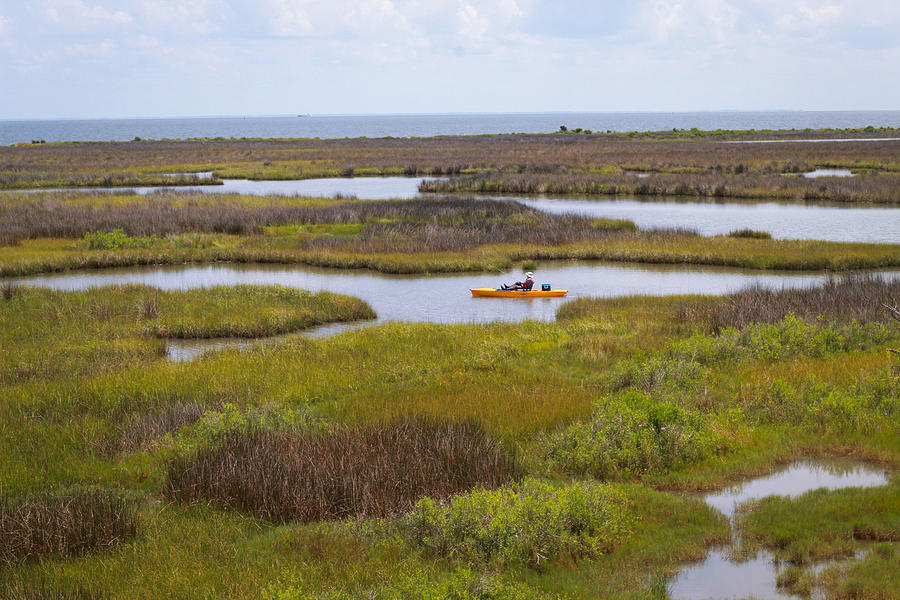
pixel 65 525
pixel 841 299
pixel 307 476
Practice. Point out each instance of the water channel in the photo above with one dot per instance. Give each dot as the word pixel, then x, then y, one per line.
pixel 838 223
pixel 443 298
pixel 718 576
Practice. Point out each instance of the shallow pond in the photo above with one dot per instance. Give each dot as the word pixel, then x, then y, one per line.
pixel 719 577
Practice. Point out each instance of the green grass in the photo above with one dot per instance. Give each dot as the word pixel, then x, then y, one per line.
pixel 821 524
pixel 92 419
pixel 54 255
pixel 57 333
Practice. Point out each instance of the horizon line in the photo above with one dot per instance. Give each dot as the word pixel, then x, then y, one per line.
pixel 436 114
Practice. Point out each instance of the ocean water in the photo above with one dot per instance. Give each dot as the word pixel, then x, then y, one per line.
pixel 331 126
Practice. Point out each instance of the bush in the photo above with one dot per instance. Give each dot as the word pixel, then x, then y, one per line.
pixel 313 475
pixel 631 436
pixel 67 525
pixel 117 238
pixel 528 524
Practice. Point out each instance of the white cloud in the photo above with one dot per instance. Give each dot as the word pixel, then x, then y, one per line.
pixel 289 17
pixel 75 15
pixel 184 17
pixel 804 16
pixel 472 26
pixel 98 50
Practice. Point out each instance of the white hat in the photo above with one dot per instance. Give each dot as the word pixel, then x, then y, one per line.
pixel 529 274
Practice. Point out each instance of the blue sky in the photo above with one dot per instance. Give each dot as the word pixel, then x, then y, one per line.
pixel 99 58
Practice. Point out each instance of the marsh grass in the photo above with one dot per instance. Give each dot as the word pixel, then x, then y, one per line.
pixel 59 333
pixel 131 163
pixel 453 225
pixel 38 592
pixel 874 576
pixel 751 233
pixel 821 524
pixel 372 471
pixel 710 184
pixel 37 527
pixel 146 428
pixel 841 299
pixel 157 215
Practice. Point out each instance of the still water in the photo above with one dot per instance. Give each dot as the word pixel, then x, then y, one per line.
pixel 836 223
pixel 445 298
pixel 719 577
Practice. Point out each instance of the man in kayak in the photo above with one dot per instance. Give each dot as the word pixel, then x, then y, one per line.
pixel 521 285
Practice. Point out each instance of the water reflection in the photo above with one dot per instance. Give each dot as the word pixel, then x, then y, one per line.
pixel 798 479
pixel 718 576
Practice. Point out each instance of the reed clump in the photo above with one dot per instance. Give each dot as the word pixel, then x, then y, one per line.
pixel 704 184
pixel 347 472
pixel 838 299
pixel 454 225
pixel 145 428
pixel 159 215
pixel 68 525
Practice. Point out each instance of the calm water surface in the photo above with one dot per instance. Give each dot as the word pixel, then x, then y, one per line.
pixel 446 298
pixel 875 224
pixel 717 576
pixel 828 173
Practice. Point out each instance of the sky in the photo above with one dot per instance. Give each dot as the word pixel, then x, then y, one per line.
pixel 155 58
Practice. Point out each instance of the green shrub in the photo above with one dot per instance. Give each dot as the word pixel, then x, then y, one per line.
pixel 862 407
pixel 631 436
pixel 115 239
pixel 528 523
pixel 680 363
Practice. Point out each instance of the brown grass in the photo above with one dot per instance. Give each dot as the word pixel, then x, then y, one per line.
pixel 436 224
pixel 307 476
pixel 52 165
pixel 64 526
pixel 709 183
pixel 839 299
pixel 146 428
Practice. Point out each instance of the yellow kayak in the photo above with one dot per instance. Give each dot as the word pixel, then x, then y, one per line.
pixel 494 293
